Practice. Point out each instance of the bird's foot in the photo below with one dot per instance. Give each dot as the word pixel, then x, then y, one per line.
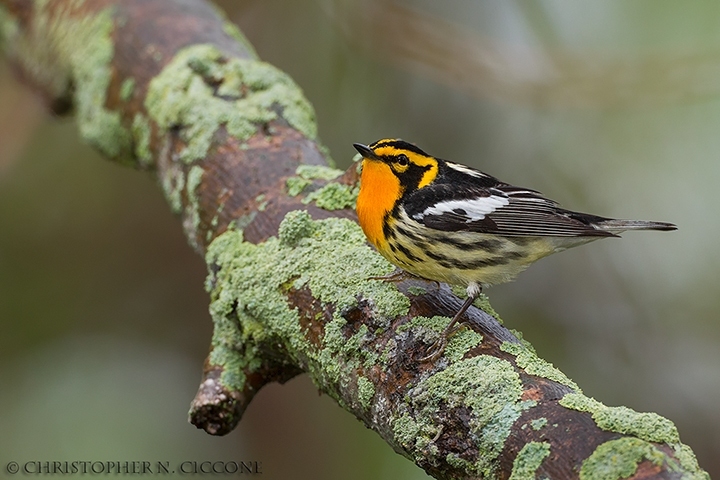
pixel 438 347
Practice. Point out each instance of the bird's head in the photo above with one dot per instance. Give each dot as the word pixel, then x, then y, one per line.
pixel 391 159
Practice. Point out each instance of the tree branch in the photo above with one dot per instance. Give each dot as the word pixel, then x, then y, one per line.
pixel 171 86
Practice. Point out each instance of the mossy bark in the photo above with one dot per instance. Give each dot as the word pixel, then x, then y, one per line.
pixel 172 87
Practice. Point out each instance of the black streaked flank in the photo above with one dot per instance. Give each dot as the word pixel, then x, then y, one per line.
pixel 406 233
pixel 448 264
pixel 485 262
pixel 437 256
pixel 388 230
pixel 407 253
pixel 490 244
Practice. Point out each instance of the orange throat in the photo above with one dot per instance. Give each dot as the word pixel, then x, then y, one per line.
pixel 379 190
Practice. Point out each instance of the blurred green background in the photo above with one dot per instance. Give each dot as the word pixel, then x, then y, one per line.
pixel 609 107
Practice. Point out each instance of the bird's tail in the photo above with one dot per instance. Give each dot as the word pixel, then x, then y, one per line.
pixel 617 226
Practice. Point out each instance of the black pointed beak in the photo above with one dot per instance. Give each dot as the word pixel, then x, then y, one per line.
pixel 365 151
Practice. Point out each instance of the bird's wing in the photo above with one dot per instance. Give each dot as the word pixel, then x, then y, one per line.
pixel 501 209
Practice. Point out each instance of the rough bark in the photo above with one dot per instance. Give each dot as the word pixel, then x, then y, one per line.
pixel 172 87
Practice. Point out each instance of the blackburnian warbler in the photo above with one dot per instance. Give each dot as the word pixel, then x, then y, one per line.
pixel 447 222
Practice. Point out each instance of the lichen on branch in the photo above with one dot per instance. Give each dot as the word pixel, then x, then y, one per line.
pixel 202 89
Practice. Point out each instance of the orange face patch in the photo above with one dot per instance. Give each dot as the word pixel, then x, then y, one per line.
pixel 379 190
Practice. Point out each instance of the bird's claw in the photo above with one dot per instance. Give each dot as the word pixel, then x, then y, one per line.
pixel 435 350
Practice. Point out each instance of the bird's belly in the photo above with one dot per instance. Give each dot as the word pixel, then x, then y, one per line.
pixel 464 257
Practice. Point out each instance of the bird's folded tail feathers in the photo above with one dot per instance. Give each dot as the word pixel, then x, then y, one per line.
pixel 617 226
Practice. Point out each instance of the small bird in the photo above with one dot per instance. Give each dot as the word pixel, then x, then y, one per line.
pixel 447 222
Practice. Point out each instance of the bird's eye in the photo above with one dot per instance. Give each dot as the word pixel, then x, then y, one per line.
pixel 403 160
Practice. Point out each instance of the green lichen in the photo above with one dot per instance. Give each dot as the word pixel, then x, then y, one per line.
pixel 538 423
pixel 216 218
pixel 688 462
pixel 388 352
pixel 534 365
pixel 619 458
pixel 332 259
pixel 528 460
pixel 141 132
pixel 296 225
pixel 483 303
pixel 342 357
pixel 173 184
pixel 407 431
pixel 519 335
pixel 461 343
pixel 296 185
pixel 429 329
pixel 227 354
pixel 413 290
pixel 425 327
pixel 201 90
pixel 334 344
pixel 342 289
pixel 192 219
pixel 90 50
pixel 366 391
pixel 488 386
pixel 457 462
pixel 647 426
pixel 334 196
pixel 262 202
pixel 81 54
pixel 317 172
pixel 242 222
pixel 126 89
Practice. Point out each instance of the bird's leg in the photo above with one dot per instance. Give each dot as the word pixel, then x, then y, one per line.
pixel 438 347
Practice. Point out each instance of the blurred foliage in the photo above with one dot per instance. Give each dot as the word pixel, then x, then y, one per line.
pixel 608 107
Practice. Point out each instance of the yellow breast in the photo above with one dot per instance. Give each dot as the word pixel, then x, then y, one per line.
pixel 379 190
